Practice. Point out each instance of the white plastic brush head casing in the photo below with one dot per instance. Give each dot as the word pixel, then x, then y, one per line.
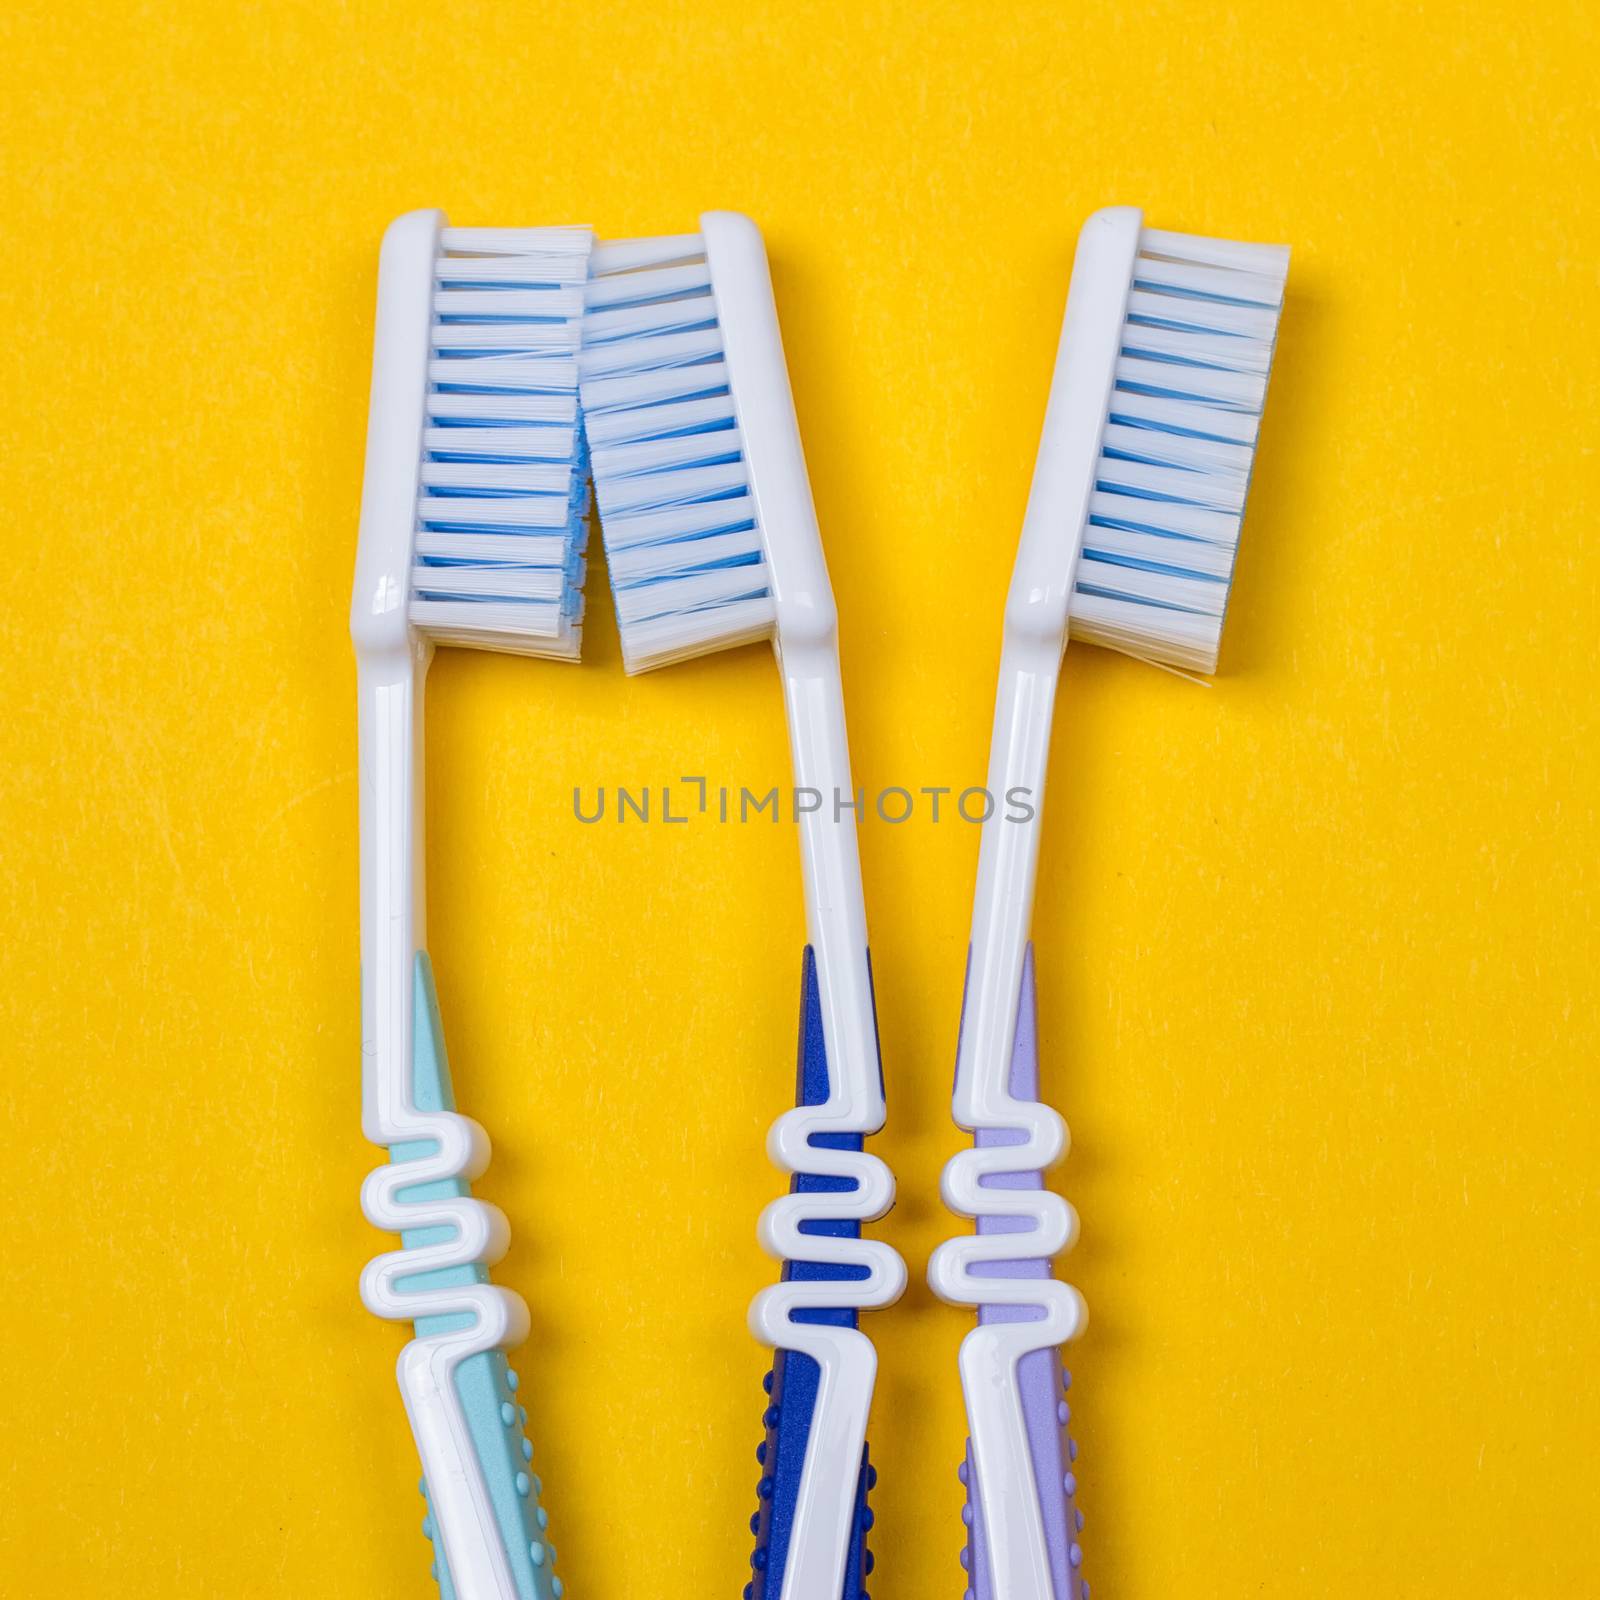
pixel 378 620
pixel 1162 375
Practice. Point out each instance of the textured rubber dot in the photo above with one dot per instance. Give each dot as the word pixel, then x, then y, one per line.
pixel 524 1484
pixel 536 1553
pixel 1075 1554
pixel 508 1413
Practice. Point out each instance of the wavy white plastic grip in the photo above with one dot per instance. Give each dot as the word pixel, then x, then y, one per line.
pixel 392 662
pixel 807 649
pixel 1037 611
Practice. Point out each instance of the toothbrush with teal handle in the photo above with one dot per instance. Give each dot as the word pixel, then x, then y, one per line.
pixel 472 527
pixel 488 1386
pixel 712 541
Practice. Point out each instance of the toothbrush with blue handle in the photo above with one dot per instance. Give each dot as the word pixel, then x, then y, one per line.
pixel 1128 541
pixel 791 1384
pixel 712 541
pixel 472 529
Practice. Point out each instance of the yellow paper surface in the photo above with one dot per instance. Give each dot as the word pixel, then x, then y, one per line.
pixel 1316 946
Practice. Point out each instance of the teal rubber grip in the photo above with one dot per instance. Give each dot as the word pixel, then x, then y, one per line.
pixel 487 1386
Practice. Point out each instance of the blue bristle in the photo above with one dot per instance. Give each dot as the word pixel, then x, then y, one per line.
pixel 505 570
pixel 1174 466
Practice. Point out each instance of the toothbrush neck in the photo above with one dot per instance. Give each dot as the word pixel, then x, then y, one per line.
pixel 393 910
pixel 1008 863
pixel 825 805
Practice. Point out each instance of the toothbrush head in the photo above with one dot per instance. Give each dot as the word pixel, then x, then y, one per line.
pixel 473 514
pixel 1179 398
pixel 688 557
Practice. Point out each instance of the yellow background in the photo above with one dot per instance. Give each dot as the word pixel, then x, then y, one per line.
pixel 1317 945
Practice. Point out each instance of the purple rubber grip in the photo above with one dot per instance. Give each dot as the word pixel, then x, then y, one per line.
pixel 1041 1378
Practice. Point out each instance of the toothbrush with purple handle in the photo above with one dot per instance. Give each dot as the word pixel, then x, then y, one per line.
pixel 1128 541
pixel 1042 1380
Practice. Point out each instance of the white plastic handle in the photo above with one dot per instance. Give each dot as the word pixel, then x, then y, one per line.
pixel 808 656
pixel 836 927
pixel 391 663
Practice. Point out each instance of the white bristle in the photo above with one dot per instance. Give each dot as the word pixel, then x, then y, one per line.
pixel 627 255
pixel 501 514
pixel 568 246
pixel 686 560
pixel 1176 452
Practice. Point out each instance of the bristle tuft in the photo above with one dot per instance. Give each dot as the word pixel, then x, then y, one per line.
pixel 682 543
pixel 1175 457
pixel 501 521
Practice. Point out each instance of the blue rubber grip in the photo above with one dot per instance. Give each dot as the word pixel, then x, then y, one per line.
pixel 791 1385
pixel 486 1384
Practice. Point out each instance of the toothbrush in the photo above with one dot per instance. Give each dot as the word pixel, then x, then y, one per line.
pixel 472 528
pixel 712 541
pixel 1128 541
